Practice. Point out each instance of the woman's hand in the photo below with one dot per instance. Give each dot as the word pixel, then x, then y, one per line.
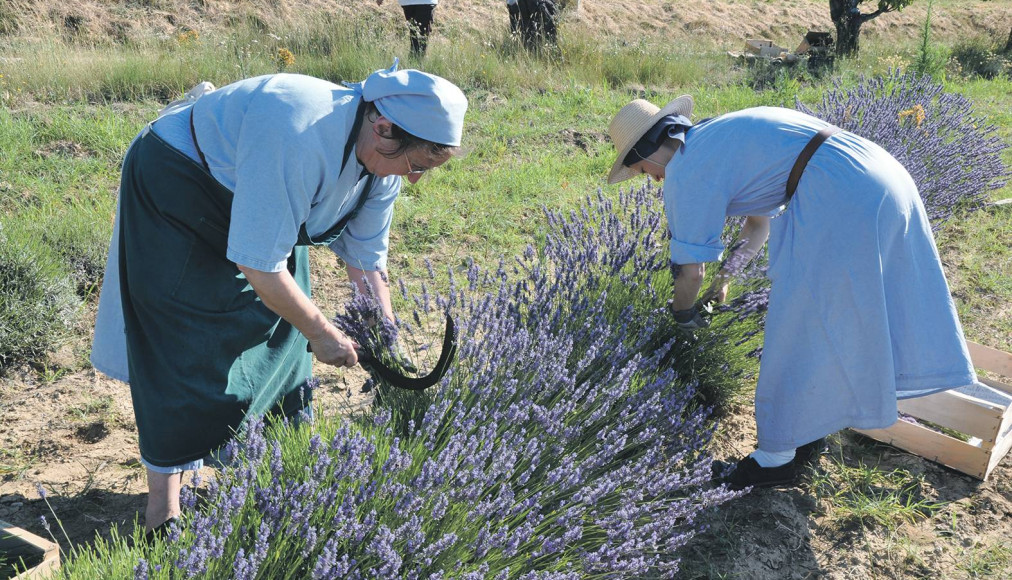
pixel 335 348
pixel 716 293
pixel 687 319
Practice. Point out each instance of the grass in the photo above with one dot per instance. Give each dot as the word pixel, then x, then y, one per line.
pixel 94 409
pixel 15 462
pixel 864 495
pixel 992 560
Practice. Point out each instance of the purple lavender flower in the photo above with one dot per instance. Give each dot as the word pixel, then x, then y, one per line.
pixel 141 570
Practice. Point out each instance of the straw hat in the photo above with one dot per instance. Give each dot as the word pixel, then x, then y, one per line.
pixel 632 122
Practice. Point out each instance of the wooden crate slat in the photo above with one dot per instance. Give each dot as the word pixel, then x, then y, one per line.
pixel 959 412
pixel 934 446
pixel 51 558
pixel 1004 443
pixel 1007 389
pixel 990 359
pixel 990 422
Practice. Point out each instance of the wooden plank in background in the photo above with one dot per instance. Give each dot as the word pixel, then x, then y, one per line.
pixel 18 543
pixel 1003 444
pixel 958 412
pixel 934 446
pixel 990 359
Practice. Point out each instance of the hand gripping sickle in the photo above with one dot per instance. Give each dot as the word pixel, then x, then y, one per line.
pixel 397 377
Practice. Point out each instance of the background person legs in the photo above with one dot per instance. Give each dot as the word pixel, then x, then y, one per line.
pixel 514 10
pixel 538 22
pixel 419 17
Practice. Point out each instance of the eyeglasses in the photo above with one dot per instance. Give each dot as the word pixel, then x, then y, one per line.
pixel 412 170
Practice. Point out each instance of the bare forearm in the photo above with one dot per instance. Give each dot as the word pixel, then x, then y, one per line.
pixel 282 295
pixel 373 283
pixel 755 232
pixel 753 235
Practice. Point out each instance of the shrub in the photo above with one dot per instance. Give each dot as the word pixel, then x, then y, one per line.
pixel 982 57
pixel 81 238
pixel 36 297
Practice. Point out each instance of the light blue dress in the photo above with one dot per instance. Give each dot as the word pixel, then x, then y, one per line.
pixel 288 132
pixel 860 313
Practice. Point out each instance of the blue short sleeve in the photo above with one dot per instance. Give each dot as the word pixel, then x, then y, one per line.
pixel 365 241
pixel 696 218
pixel 267 209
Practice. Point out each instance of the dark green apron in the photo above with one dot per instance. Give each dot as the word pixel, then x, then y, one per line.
pixel 203 351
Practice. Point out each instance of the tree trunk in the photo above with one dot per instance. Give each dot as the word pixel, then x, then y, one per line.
pixel 1008 43
pixel 848 20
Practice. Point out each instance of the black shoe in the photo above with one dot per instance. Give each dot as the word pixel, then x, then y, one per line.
pixel 809 453
pixel 747 473
pixel 159 532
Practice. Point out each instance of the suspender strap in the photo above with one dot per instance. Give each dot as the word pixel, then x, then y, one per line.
pixel 806 154
pixel 193 134
pixel 359 115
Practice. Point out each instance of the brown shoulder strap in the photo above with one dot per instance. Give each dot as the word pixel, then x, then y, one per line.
pixel 806 154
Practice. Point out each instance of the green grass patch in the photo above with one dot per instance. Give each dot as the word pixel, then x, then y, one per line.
pixel 866 496
pixel 992 560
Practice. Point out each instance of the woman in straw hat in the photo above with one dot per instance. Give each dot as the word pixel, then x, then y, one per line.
pixel 205 308
pixel 859 311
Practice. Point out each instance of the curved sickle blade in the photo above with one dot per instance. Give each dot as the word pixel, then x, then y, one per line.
pixel 399 380
pixel 396 379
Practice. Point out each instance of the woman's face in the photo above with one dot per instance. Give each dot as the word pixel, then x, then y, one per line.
pixel 411 164
pixel 649 167
pixel 375 144
pixel 655 164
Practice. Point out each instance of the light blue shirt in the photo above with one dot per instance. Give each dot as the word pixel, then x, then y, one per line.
pixel 734 165
pixel 277 143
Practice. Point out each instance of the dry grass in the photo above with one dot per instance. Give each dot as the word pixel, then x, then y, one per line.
pixel 724 23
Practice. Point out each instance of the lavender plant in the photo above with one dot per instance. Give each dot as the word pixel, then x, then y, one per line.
pixel 953 155
pixel 563 444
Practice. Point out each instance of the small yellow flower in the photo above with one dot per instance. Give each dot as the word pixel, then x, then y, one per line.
pixel 915 113
pixel 285 58
pixel 187 37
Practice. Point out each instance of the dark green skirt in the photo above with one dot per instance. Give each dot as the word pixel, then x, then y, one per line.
pixel 203 350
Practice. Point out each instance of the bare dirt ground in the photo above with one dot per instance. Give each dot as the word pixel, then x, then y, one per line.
pixel 75 435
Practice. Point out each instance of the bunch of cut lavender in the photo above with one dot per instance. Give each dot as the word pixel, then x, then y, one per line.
pixel 953 156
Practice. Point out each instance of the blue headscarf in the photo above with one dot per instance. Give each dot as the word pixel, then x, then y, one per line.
pixel 424 105
pixel 669 127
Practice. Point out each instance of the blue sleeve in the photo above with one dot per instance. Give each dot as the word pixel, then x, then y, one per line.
pixel 365 241
pixel 696 214
pixel 276 177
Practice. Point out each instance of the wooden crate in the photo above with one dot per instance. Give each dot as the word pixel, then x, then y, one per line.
pixel 42 555
pixel 988 424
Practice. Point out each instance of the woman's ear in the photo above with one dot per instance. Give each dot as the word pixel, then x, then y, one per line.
pixel 383 127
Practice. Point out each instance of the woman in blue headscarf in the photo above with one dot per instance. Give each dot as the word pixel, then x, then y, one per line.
pixel 205 308
pixel 859 310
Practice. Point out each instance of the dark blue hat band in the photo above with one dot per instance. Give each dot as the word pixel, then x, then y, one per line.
pixel 669 127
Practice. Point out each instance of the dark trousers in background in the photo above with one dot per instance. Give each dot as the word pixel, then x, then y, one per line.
pixel 514 18
pixel 419 17
pixel 538 22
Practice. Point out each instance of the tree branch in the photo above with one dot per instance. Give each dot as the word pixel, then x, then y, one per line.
pixel 875 14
